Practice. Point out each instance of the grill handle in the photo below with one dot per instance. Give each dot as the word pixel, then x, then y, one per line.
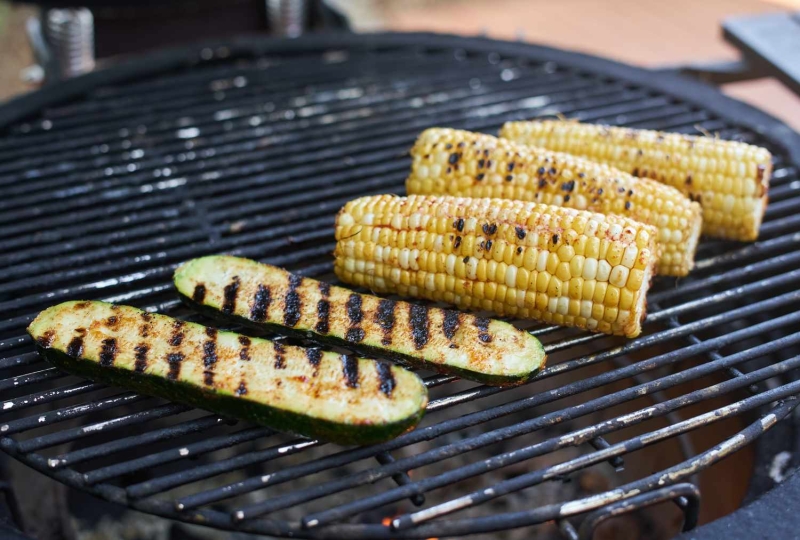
pixel 685 495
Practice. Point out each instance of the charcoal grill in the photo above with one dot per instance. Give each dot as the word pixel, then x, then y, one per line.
pixel 249 147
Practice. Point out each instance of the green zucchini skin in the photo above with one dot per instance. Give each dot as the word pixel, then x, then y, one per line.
pixel 243 291
pixel 323 395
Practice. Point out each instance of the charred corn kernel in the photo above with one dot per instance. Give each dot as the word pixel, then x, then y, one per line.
pixel 545 279
pixel 729 179
pixel 539 175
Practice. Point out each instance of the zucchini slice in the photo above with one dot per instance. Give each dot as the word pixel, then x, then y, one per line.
pixel 245 291
pixel 309 392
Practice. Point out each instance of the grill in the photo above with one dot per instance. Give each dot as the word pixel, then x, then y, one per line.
pixel 250 147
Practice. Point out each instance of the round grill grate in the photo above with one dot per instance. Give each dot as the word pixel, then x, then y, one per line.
pixel 110 180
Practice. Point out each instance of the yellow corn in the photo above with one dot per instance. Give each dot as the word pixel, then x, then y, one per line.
pixel 559 265
pixel 729 179
pixel 453 162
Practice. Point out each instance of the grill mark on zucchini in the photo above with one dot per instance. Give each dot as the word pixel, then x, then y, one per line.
pixel 209 356
pixel 482 323
pixel 199 293
pixel 174 360
pixel 419 323
pixel 140 363
pixel 387 382
pixel 350 370
pixel 108 352
pixel 242 390
pixel 244 352
pixel 261 302
pixel 230 293
pixel 144 330
pixel 452 320
pixel 46 339
pixel 75 347
pixel 292 304
pixel 323 309
pixel 355 334
pixel 177 335
pixel 280 361
pixel 314 356
pixel 112 321
pixel 385 319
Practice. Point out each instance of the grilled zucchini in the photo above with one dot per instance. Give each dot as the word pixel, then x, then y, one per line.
pixel 317 394
pixel 476 348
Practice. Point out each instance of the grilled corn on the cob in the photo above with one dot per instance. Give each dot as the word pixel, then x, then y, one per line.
pixel 454 162
pixel 729 179
pixel 559 265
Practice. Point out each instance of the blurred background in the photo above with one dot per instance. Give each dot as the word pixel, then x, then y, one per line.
pixel 645 33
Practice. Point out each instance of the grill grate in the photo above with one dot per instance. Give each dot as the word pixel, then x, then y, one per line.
pixel 250 149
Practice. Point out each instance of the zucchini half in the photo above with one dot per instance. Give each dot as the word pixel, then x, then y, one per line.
pixel 309 392
pixel 245 291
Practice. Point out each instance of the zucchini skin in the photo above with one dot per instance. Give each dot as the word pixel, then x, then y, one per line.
pixel 221 399
pixel 235 290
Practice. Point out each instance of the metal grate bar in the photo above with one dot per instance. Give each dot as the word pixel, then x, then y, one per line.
pixel 168 456
pixel 68 435
pixel 60 415
pixel 126 443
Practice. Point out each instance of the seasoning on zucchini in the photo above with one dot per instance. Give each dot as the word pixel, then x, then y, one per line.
pixel 476 348
pixel 334 397
pixel 559 265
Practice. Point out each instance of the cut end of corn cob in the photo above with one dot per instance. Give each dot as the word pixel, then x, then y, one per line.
pixel 522 259
pixel 729 179
pixel 462 163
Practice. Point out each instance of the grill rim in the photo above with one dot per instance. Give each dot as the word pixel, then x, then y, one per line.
pixel 665 83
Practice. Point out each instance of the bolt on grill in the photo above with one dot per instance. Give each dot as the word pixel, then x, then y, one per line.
pixel 250 149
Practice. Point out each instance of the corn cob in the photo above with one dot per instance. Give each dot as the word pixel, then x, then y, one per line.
pixel 729 179
pixel 558 265
pixel 453 162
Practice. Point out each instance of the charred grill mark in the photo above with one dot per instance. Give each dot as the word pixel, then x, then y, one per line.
pixel 291 308
pixel 174 360
pixel 82 305
pixel 323 309
pixel 242 390
pixel 459 224
pixel 46 339
pixel 209 359
pixel 144 330
pixel 314 356
pixel 482 324
pixel 350 370
pixel 354 335
pixel 199 293
pixel 75 347
pixel 140 357
pixel 385 319
pixel 489 229
pixel 418 321
pixel 261 302
pixel 354 312
pixel 280 361
pixel 386 378
pixel 108 351
pixel 112 321
pixel 452 320
pixel 229 295
pixel 244 352
pixel 177 335
pixel 354 309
